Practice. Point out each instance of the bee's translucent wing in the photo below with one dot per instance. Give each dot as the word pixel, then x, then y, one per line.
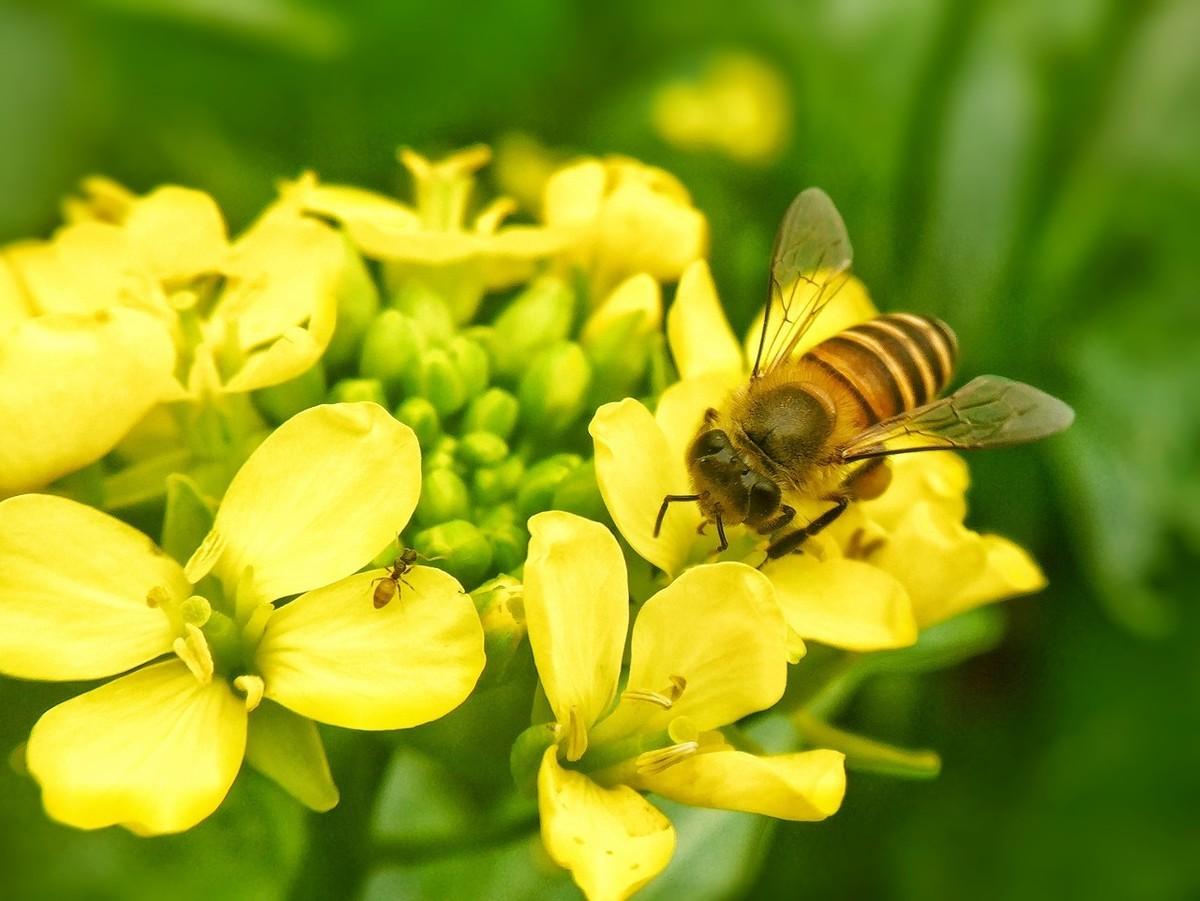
pixel 809 264
pixel 988 411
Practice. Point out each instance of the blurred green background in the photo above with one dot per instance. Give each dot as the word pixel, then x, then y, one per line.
pixel 1028 171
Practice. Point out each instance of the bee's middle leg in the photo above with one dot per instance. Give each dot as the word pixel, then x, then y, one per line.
pixel 793 540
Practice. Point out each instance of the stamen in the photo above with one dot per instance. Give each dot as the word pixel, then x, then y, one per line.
pixel 576 736
pixel 252 687
pixel 665 698
pixel 192 648
pixel 651 763
pixel 157 597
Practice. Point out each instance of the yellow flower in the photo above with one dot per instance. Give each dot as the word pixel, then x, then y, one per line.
pixel 661 734
pixel 624 218
pixel 432 241
pixel 884 569
pixel 738 106
pixel 232 671
pixel 76 373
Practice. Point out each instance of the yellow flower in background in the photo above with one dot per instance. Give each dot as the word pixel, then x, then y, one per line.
pixel 76 371
pixel 231 672
pixel 883 570
pixel 433 242
pixel 707 650
pixel 738 106
pixel 623 218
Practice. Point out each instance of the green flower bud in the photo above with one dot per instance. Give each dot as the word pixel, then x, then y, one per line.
pixel 579 493
pixel 459 548
pixel 352 390
pixel 494 411
pixel 444 496
pixel 492 484
pixel 390 350
pixel 472 362
pixel 482 449
pixel 441 382
pixel 497 516
pixel 541 481
pixel 430 311
pixel 554 389
pixel 419 415
pixel 358 302
pixel 540 316
pixel 619 352
pixel 279 403
pixel 509 544
pixel 443 455
pixel 500 603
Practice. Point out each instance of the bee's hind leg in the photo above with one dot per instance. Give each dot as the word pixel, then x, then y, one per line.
pixel 792 540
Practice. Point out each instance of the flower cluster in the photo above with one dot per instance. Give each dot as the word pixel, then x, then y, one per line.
pixel 354 376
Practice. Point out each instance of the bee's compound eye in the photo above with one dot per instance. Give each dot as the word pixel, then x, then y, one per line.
pixel 710 443
pixel 763 501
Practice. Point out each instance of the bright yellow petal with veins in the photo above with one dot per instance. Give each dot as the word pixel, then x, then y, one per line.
pixel 934 556
pixel 850 306
pixel 577 611
pixel 845 603
pixel 682 405
pixel 73 591
pixel 698 333
pixel 1009 572
pixel 330 655
pixel 72 386
pixel 154 751
pixel 636 468
pixel 612 840
pixel 178 232
pixel 320 497
pixel 808 785
pixel 713 643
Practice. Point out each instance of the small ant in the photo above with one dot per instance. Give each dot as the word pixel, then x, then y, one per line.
pixel 388 587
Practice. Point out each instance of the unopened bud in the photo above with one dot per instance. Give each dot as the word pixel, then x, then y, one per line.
pixel 419 415
pixel 472 362
pixel 390 349
pixel 579 493
pixel 459 548
pixel 482 449
pixel 541 481
pixel 495 411
pixel 492 484
pixel 441 383
pixel 427 308
pixel 349 391
pixel 509 544
pixel 281 402
pixel 500 603
pixel 444 496
pixel 554 389
pixel 540 316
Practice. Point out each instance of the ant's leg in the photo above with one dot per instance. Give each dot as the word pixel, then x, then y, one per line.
pixel 793 540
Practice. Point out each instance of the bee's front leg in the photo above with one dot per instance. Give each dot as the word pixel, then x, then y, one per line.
pixel 793 540
pixel 785 516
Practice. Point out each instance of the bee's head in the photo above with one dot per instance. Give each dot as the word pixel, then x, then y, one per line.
pixel 727 486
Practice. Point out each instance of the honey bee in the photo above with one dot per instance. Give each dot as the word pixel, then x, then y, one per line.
pixel 821 424
pixel 388 586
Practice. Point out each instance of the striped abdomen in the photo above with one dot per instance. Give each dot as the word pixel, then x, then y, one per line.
pixel 890 364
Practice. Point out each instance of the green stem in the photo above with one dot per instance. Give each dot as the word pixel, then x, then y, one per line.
pixel 866 755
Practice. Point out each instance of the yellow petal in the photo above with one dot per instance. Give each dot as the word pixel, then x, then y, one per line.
pixel 179 232
pixel 939 477
pixel 805 786
pixel 635 469
pixel 682 405
pixel 330 655
pixel 154 751
pixel 850 306
pixel 643 228
pixel 572 195
pixel 846 603
pixel 319 498
pixel 72 386
pixel 1009 572
pixel 698 332
pixel 577 611
pixel 362 212
pixel 935 557
pixel 639 295
pixel 287 748
pixel 733 663
pixel 74 584
pixel 82 270
pixel 612 840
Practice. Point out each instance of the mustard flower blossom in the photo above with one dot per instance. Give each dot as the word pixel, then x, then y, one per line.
pixel 885 569
pixel 211 662
pixel 661 733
